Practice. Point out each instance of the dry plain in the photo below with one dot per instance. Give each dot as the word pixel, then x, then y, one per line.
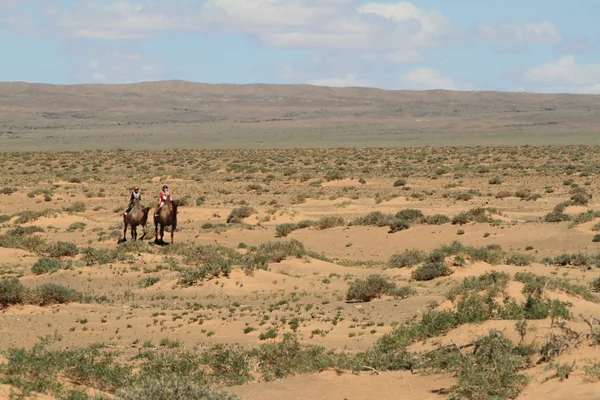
pixel 463 272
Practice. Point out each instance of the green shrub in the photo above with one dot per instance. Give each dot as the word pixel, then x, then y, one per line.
pixel 491 371
pixel 398 225
pixel 495 180
pixel 520 259
pixel 368 289
pixel 147 282
pixel 374 218
pixel 399 182
pixel 283 230
pixel 46 265
pixel 327 222
pixel 172 387
pixel 51 293
pixel 431 270
pixel 76 207
pixel 12 291
pixel 401 292
pixel 61 249
pixel 238 214
pixel 436 219
pixel 408 258
pixel 410 215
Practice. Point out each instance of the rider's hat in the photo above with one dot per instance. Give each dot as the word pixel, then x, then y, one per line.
pixel 136 188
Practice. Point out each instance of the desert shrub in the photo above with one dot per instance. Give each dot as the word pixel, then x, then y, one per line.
pixel 333 175
pixel 368 289
pixel 61 249
pixel 401 292
pixel 399 182
pixel 491 371
pixel 520 259
pixel 503 194
pixel 24 217
pixel 596 238
pixel 46 265
pixel 398 225
pixel 492 283
pixel 580 197
pixel 211 269
pixel 374 218
pixel 474 308
pixel 7 190
pixel 93 256
pixel 327 222
pixel 574 259
pixel 24 242
pixel 238 214
pixel 147 282
pixel 431 270
pixel 76 207
pixel 408 258
pixel 272 252
pixel 410 215
pixel 479 214
pixel 289 357
pixel 584 217
pixel 24 230
pixel 436 219
pixel 4 218
pixel 76 226
pixel 51 293
pixel 496 180
pixel 556 216
pixel 12 291
pixel 169 386
pixel 200 200
pixel 595 285
pixel 282 230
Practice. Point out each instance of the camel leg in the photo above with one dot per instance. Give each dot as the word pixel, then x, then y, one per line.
pixel 134 233
pixel 173 232
pixel 124 231
pixel 143 232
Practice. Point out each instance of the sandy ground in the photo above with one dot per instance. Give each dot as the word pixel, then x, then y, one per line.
pixel 311 289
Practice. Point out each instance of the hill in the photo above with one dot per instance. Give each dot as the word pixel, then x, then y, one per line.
pixel 177 114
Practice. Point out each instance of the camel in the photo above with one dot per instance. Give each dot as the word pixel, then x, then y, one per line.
pixel 137 216
pixel 167 217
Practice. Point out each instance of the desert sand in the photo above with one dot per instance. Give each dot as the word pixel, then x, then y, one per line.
pixel 273 244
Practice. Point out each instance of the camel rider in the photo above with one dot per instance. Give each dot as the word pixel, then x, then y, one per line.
pixel 162 198
pixel 134 195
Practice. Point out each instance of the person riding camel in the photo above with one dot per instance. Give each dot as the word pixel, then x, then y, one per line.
pixel 134 195
pixel 162 198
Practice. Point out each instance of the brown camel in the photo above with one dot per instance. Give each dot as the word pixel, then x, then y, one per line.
pixel 137 216
pixel 167 216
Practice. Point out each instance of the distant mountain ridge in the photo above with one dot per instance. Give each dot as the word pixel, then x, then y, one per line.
pixel 221 113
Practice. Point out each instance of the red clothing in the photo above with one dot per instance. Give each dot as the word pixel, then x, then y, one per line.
pixel 163 195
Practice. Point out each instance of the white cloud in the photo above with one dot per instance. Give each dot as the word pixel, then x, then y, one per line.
pixel 534 31
pixel 350 80
pixel 115 64
pixel 427 79
pixel 564 75
pixel 404 57
pixel 5 4
pixel 428 24
pixel 120 19
pixel 333 24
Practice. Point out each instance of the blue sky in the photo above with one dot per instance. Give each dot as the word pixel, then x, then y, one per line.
pixel 529 45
